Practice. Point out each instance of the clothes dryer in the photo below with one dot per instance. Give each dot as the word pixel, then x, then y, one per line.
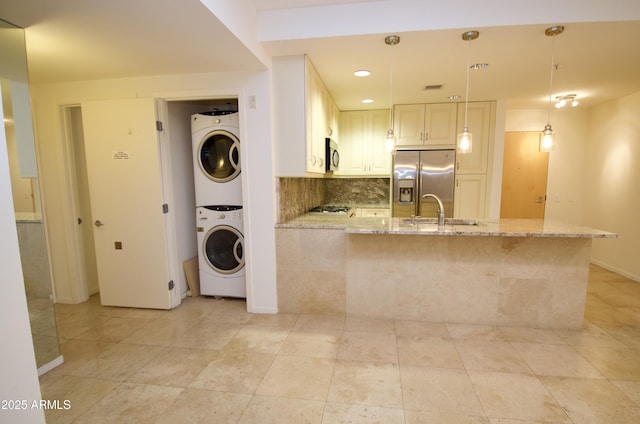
pixel 221 251
pixel 216 158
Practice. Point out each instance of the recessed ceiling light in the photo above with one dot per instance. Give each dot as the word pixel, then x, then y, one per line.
pixel 367 100
pixel 362 73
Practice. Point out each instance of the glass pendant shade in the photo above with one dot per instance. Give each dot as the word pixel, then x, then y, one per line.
pixel 546 139
pixel 391 140
pixel 465 141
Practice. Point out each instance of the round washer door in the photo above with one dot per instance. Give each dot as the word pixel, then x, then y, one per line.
pixel 224 249
pixel 219 156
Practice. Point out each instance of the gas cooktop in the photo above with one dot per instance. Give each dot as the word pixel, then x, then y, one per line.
pixel 330 209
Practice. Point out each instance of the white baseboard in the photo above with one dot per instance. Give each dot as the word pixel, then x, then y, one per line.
pixel 616 270
pixel 261 310
pixel 50 365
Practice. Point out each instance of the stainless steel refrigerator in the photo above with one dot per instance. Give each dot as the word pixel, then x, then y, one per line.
pixel 418 172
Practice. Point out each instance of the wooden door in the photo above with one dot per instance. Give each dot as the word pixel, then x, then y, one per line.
pixel 524 177
pixel 123 167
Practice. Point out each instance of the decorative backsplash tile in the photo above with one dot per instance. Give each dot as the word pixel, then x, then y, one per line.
pixel 297 195
pixel 357 191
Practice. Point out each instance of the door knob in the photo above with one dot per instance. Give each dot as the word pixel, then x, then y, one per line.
pixel 98 223
pixel 539 200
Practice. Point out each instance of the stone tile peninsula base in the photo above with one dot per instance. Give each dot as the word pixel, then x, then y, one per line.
pixel 537 282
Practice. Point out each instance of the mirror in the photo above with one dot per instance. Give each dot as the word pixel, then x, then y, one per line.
pixel 14 86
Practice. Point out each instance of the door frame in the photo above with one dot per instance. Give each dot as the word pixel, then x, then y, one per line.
pixel 76 260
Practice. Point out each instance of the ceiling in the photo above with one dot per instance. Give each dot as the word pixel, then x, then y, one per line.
pixel 70 40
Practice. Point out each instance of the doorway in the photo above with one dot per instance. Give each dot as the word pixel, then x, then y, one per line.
pixel 524 177
pixel 87 272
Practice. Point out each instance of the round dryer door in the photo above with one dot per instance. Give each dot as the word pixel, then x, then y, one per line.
pixel 224 249
pixel 219 156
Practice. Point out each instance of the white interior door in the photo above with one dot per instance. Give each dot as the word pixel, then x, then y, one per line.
pixel 125 184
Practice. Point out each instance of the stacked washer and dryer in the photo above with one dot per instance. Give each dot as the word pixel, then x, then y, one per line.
pixel 216 155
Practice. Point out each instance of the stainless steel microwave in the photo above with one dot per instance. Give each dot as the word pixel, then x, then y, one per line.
pixel 332 159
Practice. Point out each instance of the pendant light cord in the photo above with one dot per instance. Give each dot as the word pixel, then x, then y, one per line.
pixel 391 91
pixel 553 50
pixel 466 98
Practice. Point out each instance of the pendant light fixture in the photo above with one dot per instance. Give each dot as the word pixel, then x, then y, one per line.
pixel 547 136
pixel 391 40
pixel 465 138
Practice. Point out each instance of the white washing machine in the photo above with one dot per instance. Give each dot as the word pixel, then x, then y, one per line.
pixel 221 251
pixel 216 158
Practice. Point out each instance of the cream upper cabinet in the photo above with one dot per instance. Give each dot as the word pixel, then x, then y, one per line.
pixel 481 115
pixel 363 144
pixel 419 125
pixel 304 116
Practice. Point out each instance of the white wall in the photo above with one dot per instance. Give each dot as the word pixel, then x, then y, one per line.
pixel 566 162
pixel 612 183
pixel 17 359
pixel 258 180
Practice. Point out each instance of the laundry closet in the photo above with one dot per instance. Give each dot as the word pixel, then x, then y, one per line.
pixel 150 165
pixel 205 144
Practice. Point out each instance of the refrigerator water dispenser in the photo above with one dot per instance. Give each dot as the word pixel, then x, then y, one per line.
pixel 406 187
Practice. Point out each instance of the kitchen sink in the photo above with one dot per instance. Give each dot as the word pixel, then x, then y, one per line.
pixel 451 221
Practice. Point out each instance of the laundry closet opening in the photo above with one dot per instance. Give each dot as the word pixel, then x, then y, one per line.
pixel 176 162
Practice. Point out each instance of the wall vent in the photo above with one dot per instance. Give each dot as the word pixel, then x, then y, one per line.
pixel 433 87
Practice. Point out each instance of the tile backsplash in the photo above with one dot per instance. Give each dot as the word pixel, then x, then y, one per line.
pixel 357 191
pixel 297 195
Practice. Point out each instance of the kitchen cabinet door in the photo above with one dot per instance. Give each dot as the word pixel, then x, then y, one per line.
pixel 317 122
pixel 408 123
pixel 440 124
pixel 363 143
pixel 379 155
pixel 353 127
pixel 469 196
pixel 373 212
pixel 304 115
pixel 420 125
pixel 479 120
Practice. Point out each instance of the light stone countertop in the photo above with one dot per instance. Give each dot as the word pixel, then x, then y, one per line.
pixel 496 228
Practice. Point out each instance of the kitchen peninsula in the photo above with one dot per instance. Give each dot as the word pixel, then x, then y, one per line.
pixel 525 273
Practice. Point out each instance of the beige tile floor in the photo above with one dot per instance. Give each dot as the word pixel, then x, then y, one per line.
pixel 210 361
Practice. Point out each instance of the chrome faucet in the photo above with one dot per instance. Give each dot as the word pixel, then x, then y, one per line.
pixel 440 209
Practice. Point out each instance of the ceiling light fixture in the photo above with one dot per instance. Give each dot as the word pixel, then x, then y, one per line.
pixel 465 138
pixel 561 101
pixel 362 73
pixel 391 40
pixel 547 136
pixel 366 101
